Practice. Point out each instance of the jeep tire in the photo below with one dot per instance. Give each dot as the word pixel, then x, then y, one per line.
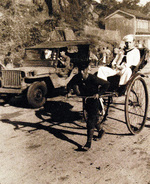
pixel 36 94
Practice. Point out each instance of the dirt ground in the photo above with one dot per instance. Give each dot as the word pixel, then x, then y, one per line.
pixel 40 146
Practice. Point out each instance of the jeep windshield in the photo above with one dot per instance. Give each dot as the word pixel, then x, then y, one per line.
pixel 48 53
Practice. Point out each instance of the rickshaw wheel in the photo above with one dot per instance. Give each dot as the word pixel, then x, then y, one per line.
pixel 136 104
pixel 102 117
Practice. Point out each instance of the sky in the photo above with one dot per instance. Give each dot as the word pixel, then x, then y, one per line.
pixel 142 2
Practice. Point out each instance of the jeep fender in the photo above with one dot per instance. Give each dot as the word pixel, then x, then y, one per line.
pixel 47 81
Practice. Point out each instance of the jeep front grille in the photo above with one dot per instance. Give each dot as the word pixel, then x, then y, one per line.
pixel 11 78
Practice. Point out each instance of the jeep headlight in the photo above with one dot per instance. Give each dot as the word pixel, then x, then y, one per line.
pixel 31 74
pixel 23 74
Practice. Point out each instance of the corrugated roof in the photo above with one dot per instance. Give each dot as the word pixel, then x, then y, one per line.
pixel 59 44
pixel 135 13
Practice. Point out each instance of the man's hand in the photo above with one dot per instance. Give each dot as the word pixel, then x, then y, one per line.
pixel 76 90
pixel 120 67
pixel 96 96
pixel 113 66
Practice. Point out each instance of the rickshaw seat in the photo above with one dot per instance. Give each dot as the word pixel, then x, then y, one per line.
pixel 143 61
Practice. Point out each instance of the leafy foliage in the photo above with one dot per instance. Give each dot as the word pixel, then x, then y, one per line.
pixel 146 9
pixel 24 24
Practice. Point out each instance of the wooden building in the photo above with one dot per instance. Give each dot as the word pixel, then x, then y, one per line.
pixel 130 22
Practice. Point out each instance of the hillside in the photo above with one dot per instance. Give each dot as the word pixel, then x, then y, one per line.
pixel 28 22
pixel 22 25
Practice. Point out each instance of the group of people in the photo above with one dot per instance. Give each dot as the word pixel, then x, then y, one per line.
pixel 86 84
pixel 102 56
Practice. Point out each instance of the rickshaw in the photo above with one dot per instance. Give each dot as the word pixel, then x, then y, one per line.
pixel 136 98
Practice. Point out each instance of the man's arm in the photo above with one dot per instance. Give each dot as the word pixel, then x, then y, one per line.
pixel 104 85
pixel 67 62
pixel 72 83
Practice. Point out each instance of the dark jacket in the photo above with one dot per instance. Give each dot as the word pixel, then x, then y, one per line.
pixel 92 85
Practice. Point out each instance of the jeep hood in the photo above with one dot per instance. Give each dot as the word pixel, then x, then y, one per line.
pixel 37 70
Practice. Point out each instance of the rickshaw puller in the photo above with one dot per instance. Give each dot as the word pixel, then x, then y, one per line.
pixel 86 84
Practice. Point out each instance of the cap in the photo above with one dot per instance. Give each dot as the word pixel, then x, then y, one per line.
pixel 128 38
pixel 62 51
pixel 83 65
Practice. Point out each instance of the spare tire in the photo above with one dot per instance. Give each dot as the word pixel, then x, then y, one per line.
pixel 36 94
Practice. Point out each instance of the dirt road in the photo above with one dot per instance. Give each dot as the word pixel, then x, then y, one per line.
pixel 40 146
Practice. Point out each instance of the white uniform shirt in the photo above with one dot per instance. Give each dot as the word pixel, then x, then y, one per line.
pixel 133 57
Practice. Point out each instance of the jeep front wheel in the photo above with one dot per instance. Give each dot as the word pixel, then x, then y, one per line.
pixel 36 94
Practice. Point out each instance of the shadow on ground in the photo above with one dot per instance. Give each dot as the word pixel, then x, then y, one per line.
pixel 60 120
pixel 21 100
pixel 59 114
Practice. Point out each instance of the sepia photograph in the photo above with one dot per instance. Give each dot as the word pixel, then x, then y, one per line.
pixel 74 91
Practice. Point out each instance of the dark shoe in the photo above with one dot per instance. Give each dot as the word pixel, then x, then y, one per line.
pixel 100 134
pixel 87 146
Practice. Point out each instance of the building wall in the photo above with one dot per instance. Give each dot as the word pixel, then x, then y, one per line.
pixel 143 26
pixel 119 22
pixel 125 24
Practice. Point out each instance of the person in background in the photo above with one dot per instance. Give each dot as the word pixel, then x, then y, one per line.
pixel 8 63
pixel 65 61
pixel 93 58
pixel 104 55
pixel 48 54
pixel 99 56
pixel 108 54
pixel 119 55
pixel 86 84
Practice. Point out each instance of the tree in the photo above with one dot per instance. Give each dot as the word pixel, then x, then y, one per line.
pixel 146 9
pixel 108 6
pixel 49 4
pixel 130 4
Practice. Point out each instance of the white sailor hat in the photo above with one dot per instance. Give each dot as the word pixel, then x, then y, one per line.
pixel 128 38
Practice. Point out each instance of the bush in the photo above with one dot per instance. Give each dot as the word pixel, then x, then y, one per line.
pixel 6 4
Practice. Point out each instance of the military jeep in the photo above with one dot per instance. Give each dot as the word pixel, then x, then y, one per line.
pixel 37 77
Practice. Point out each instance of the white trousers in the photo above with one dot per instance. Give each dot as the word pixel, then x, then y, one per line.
pixel 125 74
